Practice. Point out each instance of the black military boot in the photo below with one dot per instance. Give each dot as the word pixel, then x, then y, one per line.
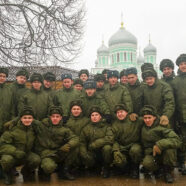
pixel 183 169
pixel 134 172
pixel 28 175
pixel 67 175
pixel 106 172
pixel 167 174
pixel 8 177
pixel 1 173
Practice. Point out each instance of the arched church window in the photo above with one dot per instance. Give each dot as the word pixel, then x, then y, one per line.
pixel 125 56
pixel 118 57
pixel 131 57
pixel 112 58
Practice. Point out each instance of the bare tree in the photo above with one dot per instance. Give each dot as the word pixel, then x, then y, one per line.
pixel 36 32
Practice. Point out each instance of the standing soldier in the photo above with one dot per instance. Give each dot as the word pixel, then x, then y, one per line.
pixel 6 100
pixel 83 74
pixel 65 95
pixel 117 94
pixel 158 94
pixel 105 72
pixel 48 83
pixel 135 88
pixel 78 84
pixel 19 87
pixel 37 98
pixel 96 141
pixel 167 67
pixel 179 88
pixel 123 77
pixel 100 81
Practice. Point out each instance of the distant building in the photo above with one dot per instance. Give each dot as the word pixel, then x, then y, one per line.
pixel 121 53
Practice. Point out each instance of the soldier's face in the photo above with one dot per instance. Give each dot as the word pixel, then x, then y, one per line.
pixel 48 84
pixel 36 85
pixel 83 77
pixel 132 78
pixel 2 78
pixel 76 110
pixel 149 120
pixel 150 80
pixel 182 66
pixel 67 83
pixel 21 80
pixel 121 114
pixel 78 87
pixel 55 118
pixel 105 76
pixel 27 120
pixel 167 71
pixel 99 84
pixel 113 80
pixel 90 91
pixel 124 79
pixel 95 117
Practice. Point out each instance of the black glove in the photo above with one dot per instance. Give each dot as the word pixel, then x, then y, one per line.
pixel 108 118
pixel 65 119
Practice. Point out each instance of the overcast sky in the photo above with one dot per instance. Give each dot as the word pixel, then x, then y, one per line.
pixel 164 20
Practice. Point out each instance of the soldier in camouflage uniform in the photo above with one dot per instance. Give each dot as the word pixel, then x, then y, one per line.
pixel 100 87
pixel 37 98
pixel 179 88
pixel 96 141
pixel 159 144
pixel 6 100
pixel 83 74
pixel 65 95
pixel 55 144
pixel 16 147
pixel 126 147
pixel 105 72
pixel 78 84
pixel 123 77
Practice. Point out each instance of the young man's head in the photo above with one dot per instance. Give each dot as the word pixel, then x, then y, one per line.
pixel 27 116
pixel 113 76
pixel 36 80
pixel 78 84
pixel 55 113
pixel 100 80
pixel 67 80
pixel 123 77
pixel 121 111
pixel 76 108
pixel 181 62
pixel 22 76
pixel 146 66
pixel 167 67
pixel 105 72
pixel 90 88
pixel 132 76
pixel 3 75
pixel 149 115
pixel 95 114
pixel 49 79
pixel 84 75
pixel 149 76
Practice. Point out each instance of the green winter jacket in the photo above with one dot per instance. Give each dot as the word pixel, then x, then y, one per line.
pixel 6 105
pixel 118 94
pixel 158 135
pixel 179 88
pixel 40 102
pixel 126 133
pixel 169 79
pixel 159 95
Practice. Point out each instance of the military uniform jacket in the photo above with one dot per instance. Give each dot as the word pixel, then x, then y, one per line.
pixel 159 95
pixel 98 133
pixel 169 79
pixel 118 94
pixel 158 135
pixel 6 105
pixel 20 138
pixel 49 137
pixel 179 88
pixel 40 102
pixel 136 92
pixel 126 133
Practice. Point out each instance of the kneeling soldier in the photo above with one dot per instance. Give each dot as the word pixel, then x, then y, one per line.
pixel 159 144
pixel 96 142
pixel 126 148
pixel 55 144
pixel 16 147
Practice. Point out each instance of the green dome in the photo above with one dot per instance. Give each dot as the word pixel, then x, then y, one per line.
pixel 122 36
pixel 149 48
pixel 102 49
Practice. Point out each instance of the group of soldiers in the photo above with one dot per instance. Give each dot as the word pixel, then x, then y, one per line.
pixel 94 124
